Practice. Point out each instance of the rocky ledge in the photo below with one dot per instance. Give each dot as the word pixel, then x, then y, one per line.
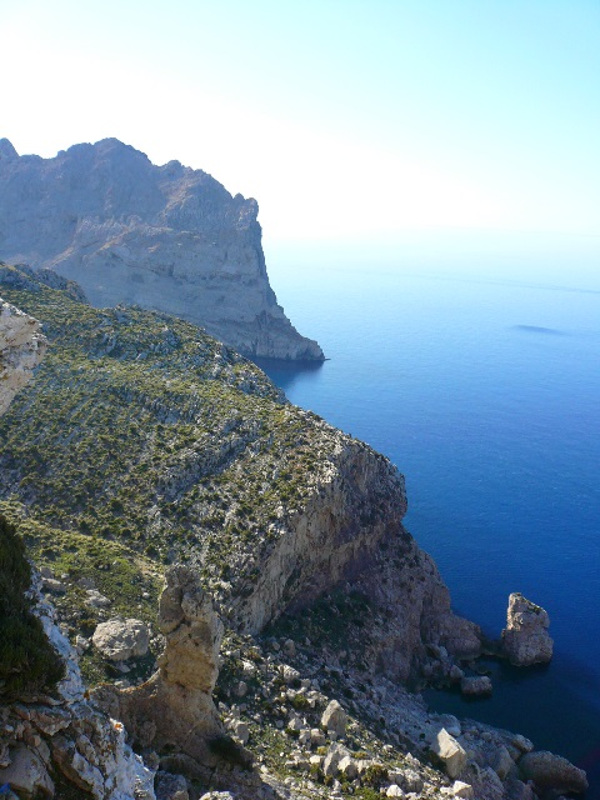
pixel 168 238
pixel 22 347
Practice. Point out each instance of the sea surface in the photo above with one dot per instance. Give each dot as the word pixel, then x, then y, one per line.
pixel 485 392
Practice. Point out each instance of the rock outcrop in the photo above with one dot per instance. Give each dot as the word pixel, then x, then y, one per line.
pixel 22 347
pixel 169 238
pixel 526 640
pixel 174 710
pixel 550 772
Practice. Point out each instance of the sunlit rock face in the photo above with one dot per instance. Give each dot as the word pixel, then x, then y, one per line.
pixel 169 238
pixel 22 347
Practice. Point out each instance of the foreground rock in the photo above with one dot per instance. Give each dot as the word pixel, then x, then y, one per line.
pixel 64 741
pixel 119 640
pixel 174 710
pixel 169 238
pixel 525 639
pixel 549 771
pixel 22 347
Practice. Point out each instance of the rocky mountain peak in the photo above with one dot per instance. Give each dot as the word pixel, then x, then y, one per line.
pixel 7 151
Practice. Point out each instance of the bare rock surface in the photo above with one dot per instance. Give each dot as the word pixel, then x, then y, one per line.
pixel 526 639
pixel 450 752
pixel 549 771
pixel 22 347
pixel 334 719
pixel 193 632
pixel 119 639
pixel 175 709
pixel 169 238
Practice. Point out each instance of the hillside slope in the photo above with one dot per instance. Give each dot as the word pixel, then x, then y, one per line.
pixel 168 238
pixel 142 431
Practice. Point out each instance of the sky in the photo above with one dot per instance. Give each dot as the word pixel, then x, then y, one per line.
pixel 349 121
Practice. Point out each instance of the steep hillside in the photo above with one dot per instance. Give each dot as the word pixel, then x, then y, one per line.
pixel 168 238
pixel 144 432
pixel 143 442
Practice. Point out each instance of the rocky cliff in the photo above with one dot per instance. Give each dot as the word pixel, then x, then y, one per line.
pixel 181 449
pixel 144 443
pixel 22 347
pixel 168 238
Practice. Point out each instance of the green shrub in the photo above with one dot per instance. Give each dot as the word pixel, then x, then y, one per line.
pixel 28 662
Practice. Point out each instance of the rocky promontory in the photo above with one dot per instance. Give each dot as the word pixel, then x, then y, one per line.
pixel 163 237
pixel 296 611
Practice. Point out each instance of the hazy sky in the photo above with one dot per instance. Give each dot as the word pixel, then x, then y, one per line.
pixel 345 119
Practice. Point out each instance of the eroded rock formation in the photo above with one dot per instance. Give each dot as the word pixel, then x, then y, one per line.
pixel 174 710
pixel 525 639
pixel 168 238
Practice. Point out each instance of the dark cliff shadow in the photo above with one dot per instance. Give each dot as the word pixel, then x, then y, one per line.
pixel 284 374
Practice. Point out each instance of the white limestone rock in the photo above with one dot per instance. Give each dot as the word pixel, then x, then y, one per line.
pixel 335 719
pixel 27 773
pixel 22 347
pixel 450 752
pixel 119 640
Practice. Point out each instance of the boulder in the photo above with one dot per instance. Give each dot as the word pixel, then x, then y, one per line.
pixel 549 771
pixel 334 756
pixel 170 787
pixel 525 640
pixel 462 789
pixel 476 686
pixel 27 774
pixel 394 791
pixel 334 719
pixel 119 640
pixel 450 752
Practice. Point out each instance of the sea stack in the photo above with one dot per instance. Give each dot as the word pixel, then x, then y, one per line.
pixel 525 639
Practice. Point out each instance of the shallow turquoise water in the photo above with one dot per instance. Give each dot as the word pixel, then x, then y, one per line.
pixel 486 394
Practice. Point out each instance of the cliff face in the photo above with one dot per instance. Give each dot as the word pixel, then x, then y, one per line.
pixel 22 347
pixel 168 238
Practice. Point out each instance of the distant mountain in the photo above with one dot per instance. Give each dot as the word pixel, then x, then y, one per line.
pixel 168 238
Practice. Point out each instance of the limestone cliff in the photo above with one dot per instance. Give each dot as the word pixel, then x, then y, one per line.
pixel 22 347
pixel 169 238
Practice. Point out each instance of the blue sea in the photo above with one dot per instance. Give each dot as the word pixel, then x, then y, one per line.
pixel 485 392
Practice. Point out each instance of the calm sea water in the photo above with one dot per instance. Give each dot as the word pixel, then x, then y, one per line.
pixel 486 395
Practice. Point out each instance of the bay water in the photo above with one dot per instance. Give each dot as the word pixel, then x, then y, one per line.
pixel 485 392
